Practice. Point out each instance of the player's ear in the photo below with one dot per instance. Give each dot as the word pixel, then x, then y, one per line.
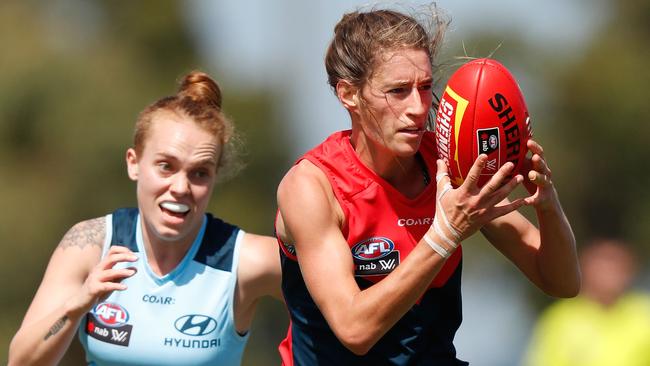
pixel 347 94
pixel 132 163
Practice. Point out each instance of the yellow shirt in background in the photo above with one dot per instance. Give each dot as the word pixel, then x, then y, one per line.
pixel 581 332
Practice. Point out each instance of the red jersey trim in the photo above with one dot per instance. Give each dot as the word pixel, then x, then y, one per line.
pixel 285 348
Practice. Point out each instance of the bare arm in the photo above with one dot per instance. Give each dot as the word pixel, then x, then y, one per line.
pixel 72 283
pixel 547 256
pixel 258 274
pixel 311 216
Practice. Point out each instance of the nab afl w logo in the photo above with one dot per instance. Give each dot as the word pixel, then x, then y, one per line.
pixel 107 322
pixel 195 325
pixel 110 314
pixel 372 248
pixel 374 256
pixel 488 143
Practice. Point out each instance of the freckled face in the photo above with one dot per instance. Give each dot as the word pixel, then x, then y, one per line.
pixel 175 176
pixel 397 100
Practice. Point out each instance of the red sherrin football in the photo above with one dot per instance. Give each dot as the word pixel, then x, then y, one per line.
pixel 482 111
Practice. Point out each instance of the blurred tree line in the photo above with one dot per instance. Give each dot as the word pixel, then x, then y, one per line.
pixel 75 74
pixel 601 115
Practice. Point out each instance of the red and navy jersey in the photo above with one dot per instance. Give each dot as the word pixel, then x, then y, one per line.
pixel 381 227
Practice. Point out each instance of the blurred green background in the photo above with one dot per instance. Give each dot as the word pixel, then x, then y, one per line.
pixel 75 74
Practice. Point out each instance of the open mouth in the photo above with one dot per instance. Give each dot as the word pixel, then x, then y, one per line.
pixel 175 209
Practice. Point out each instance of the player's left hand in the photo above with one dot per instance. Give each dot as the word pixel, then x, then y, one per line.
pixel 538 182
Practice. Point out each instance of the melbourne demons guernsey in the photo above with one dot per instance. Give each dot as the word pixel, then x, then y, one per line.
pixel 182 318
pixel 381 227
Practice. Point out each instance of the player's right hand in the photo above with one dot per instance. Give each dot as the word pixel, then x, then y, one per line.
pixel 469 206
pixel 103 279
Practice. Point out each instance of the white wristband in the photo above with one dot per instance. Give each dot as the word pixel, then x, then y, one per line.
pixel 444 253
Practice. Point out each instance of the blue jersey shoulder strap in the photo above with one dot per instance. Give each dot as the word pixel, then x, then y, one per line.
pixel 124 228
pixel 218 246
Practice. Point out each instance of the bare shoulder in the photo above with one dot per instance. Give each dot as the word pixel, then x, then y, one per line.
pixel 255 240
pixel 259 252
pixel 78 251
pixel 88 233
pixel 306 190
pixel 303 175
pixel 81 246
pixel 304 178
pixel 259 268
pixel 303 191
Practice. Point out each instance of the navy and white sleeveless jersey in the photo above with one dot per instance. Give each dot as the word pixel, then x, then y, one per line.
pixel 182 318
pixel 381 227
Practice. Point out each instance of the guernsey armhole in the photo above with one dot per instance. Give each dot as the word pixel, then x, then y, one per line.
pixel 233 287
pixel 108 235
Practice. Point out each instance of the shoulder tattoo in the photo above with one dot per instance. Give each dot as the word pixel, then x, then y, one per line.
pixel 89 232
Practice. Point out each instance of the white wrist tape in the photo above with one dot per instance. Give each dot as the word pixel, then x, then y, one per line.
pixel 438 230
pixel 444 253
pixel 446 188
pixel 453 231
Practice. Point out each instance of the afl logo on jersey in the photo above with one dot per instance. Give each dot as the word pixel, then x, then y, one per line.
pixel 111 314
pixel 372 248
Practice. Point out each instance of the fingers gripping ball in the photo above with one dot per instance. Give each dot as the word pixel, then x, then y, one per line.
pixel 482 111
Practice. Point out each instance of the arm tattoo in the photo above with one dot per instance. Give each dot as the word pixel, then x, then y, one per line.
pixel 89 232
pixel 56 327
